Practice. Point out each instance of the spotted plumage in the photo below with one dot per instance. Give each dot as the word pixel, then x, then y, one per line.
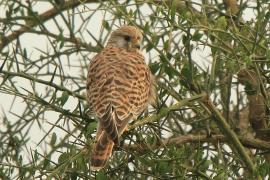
pixel 119 88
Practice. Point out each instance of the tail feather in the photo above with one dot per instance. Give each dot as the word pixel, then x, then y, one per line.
pixel 101 152
pixel 110 122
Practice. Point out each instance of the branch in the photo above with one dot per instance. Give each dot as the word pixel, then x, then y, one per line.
pixel 31 78
pixel 181 140
pixel 230 134
pixel 164 111
pixel 77 41
pixel 256 97
pixel 4 41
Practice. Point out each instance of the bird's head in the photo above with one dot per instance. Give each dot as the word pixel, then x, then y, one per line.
pixel 128 37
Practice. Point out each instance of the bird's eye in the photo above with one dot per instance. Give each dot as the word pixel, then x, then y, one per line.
pixel 127 38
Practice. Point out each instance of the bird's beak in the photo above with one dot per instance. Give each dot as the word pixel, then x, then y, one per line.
pixel 136 44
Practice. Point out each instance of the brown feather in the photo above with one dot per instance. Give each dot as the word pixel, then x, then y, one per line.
pixel 101 152
pixel 119 88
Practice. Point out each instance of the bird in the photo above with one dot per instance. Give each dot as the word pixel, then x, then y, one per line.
pixel 119 86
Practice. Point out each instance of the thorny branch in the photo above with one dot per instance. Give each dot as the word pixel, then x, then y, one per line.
pixel 190 138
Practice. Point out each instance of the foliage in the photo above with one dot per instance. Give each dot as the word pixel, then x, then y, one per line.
pixel 211 64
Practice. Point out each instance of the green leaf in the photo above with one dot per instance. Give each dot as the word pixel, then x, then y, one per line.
pixel 91 127
pixel 264 169
pixel 221 176
pixel 24 53
pixel 154 67
pixel 162 58
pixel 197 36
pixel 248 60
pixel 131 13
pixel 221 23
pixel 184 39
pixel 36 155
pixel 60 36
pixel 47 162
pixel 205 165
pixel 150 140
pixel 173 9
pixel 80 163
pixel 168 71
pixel 145 161
pixel 64 98
pixel 169 55
pixel 166 45
pixel 185 72
pixel 74 175
pixel 61 39
pixel 53 139
pixel 163 167
pixel 155 39
pixel 267 54
pixel 149 46
pixel 63 157
pixel 62 44
pixel 146 28
pixel 106 25
pixel 101 176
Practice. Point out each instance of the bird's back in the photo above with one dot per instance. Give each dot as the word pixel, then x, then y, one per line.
pixel 120 78
pixel 119 87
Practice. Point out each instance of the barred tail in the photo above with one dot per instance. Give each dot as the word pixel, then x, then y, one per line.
pixel 101 152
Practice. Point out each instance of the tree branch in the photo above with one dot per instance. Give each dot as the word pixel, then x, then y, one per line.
pixel 181 140
pixel 5 40
pixel 230 134
pixel 164 111
pixel 31 78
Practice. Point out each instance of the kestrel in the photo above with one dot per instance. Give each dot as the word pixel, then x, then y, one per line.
pixel 119 88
